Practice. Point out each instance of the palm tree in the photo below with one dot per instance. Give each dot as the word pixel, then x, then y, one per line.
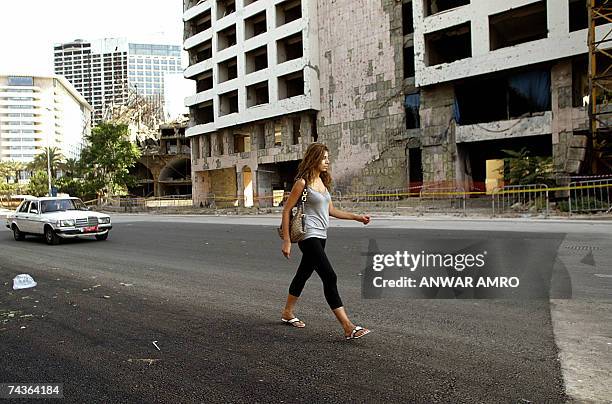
pixel 39 163
pixel 71 167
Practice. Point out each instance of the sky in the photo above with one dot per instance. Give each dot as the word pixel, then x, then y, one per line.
pixel 29 29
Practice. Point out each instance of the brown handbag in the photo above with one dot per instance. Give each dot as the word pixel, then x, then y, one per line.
pixel 297 221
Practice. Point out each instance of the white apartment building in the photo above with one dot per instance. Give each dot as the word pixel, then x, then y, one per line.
pixel 105 70
pixel 37 112
pixel 253 61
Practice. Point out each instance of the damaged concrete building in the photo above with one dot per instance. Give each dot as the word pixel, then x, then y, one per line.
pixel 164 167
pixel 497 75
pixel 402 92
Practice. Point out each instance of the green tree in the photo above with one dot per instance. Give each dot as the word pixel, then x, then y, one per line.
pixel 5 171
pixel 72 168
pixel 108 157
pixel 39 185
pixel 521 168
pixel 39 163
pixel 10 169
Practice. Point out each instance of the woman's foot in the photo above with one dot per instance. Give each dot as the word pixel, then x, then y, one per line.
pixel 290 319
pixel 356 332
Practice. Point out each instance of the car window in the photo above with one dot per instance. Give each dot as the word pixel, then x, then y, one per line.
pixel 57 205
pixel 24 207
pixel 49 206
pixel 34 207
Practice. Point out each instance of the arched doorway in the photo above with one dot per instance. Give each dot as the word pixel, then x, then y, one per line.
pixel 144 185
pixel 175 178
pixel 247 186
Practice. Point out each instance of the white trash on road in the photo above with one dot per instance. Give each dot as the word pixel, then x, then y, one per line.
pixel 23 281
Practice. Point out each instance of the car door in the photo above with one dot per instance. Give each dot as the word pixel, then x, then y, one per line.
pixel 35 224
pixel 21 216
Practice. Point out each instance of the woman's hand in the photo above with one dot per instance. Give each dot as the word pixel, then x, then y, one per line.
pixel 286 248
pixel 364 219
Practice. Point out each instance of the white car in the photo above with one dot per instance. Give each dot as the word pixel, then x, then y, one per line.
pixel 56 218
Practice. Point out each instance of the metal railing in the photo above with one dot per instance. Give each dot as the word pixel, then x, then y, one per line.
pixel 442 200
pixel 590 196
pixel 532 198
pixel 381 198
pixel 585 196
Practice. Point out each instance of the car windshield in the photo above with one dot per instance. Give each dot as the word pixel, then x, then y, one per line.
pixel 57 205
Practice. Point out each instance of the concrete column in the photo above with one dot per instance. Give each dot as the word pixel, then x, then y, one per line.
pixel 214 143
pixel 306 129
pixel 439 148
pixel 569 150
pixel 287 136
pixel 269 134
pixel 205 145
pixel 239 186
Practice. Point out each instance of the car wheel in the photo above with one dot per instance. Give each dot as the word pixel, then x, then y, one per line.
pixel 50 237
pixel 102 237
pixel 17 234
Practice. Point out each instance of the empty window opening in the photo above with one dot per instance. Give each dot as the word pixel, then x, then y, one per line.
pixel 228 103
pixel 412 103
pixel 242 143
pixel 226 38
pixel 437 6
pixel 408 62
pixel 228 70
pixel 257 59
pixel 247 2
pixel 290 48
pixel 203 113
pixel 204 81
pixel 519 25
pixel 225 7
pixel 448 45
pixel 407 23
pixel 297 134
pixel 288 11
pixel 201 53
pixel 479 152
pixel 278 133
pixel 255 25
pixel 502 97
pixel 579 15
pixel 201 23
pixel 257 94
pixel 291 85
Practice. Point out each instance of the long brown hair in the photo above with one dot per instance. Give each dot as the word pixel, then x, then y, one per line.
pixel 309 164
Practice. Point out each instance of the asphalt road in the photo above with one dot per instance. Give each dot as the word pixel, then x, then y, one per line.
pixel 211 296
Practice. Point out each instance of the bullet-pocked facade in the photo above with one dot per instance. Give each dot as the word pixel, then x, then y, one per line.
pixel 404 93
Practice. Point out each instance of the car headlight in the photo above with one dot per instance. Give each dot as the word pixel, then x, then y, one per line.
pixel 66 223
pixel 104 220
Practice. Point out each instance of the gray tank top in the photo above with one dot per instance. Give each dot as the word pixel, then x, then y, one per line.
pixel 316 209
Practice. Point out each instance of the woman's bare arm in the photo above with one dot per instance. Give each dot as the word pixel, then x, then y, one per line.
pixel 340 214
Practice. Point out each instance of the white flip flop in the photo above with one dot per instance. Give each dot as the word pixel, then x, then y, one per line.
pixel 292 322
pixel 355 330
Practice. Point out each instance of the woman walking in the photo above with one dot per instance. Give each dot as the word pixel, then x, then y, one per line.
pixel 313 176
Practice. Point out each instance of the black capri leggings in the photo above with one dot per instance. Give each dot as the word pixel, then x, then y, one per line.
pixel 314 259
